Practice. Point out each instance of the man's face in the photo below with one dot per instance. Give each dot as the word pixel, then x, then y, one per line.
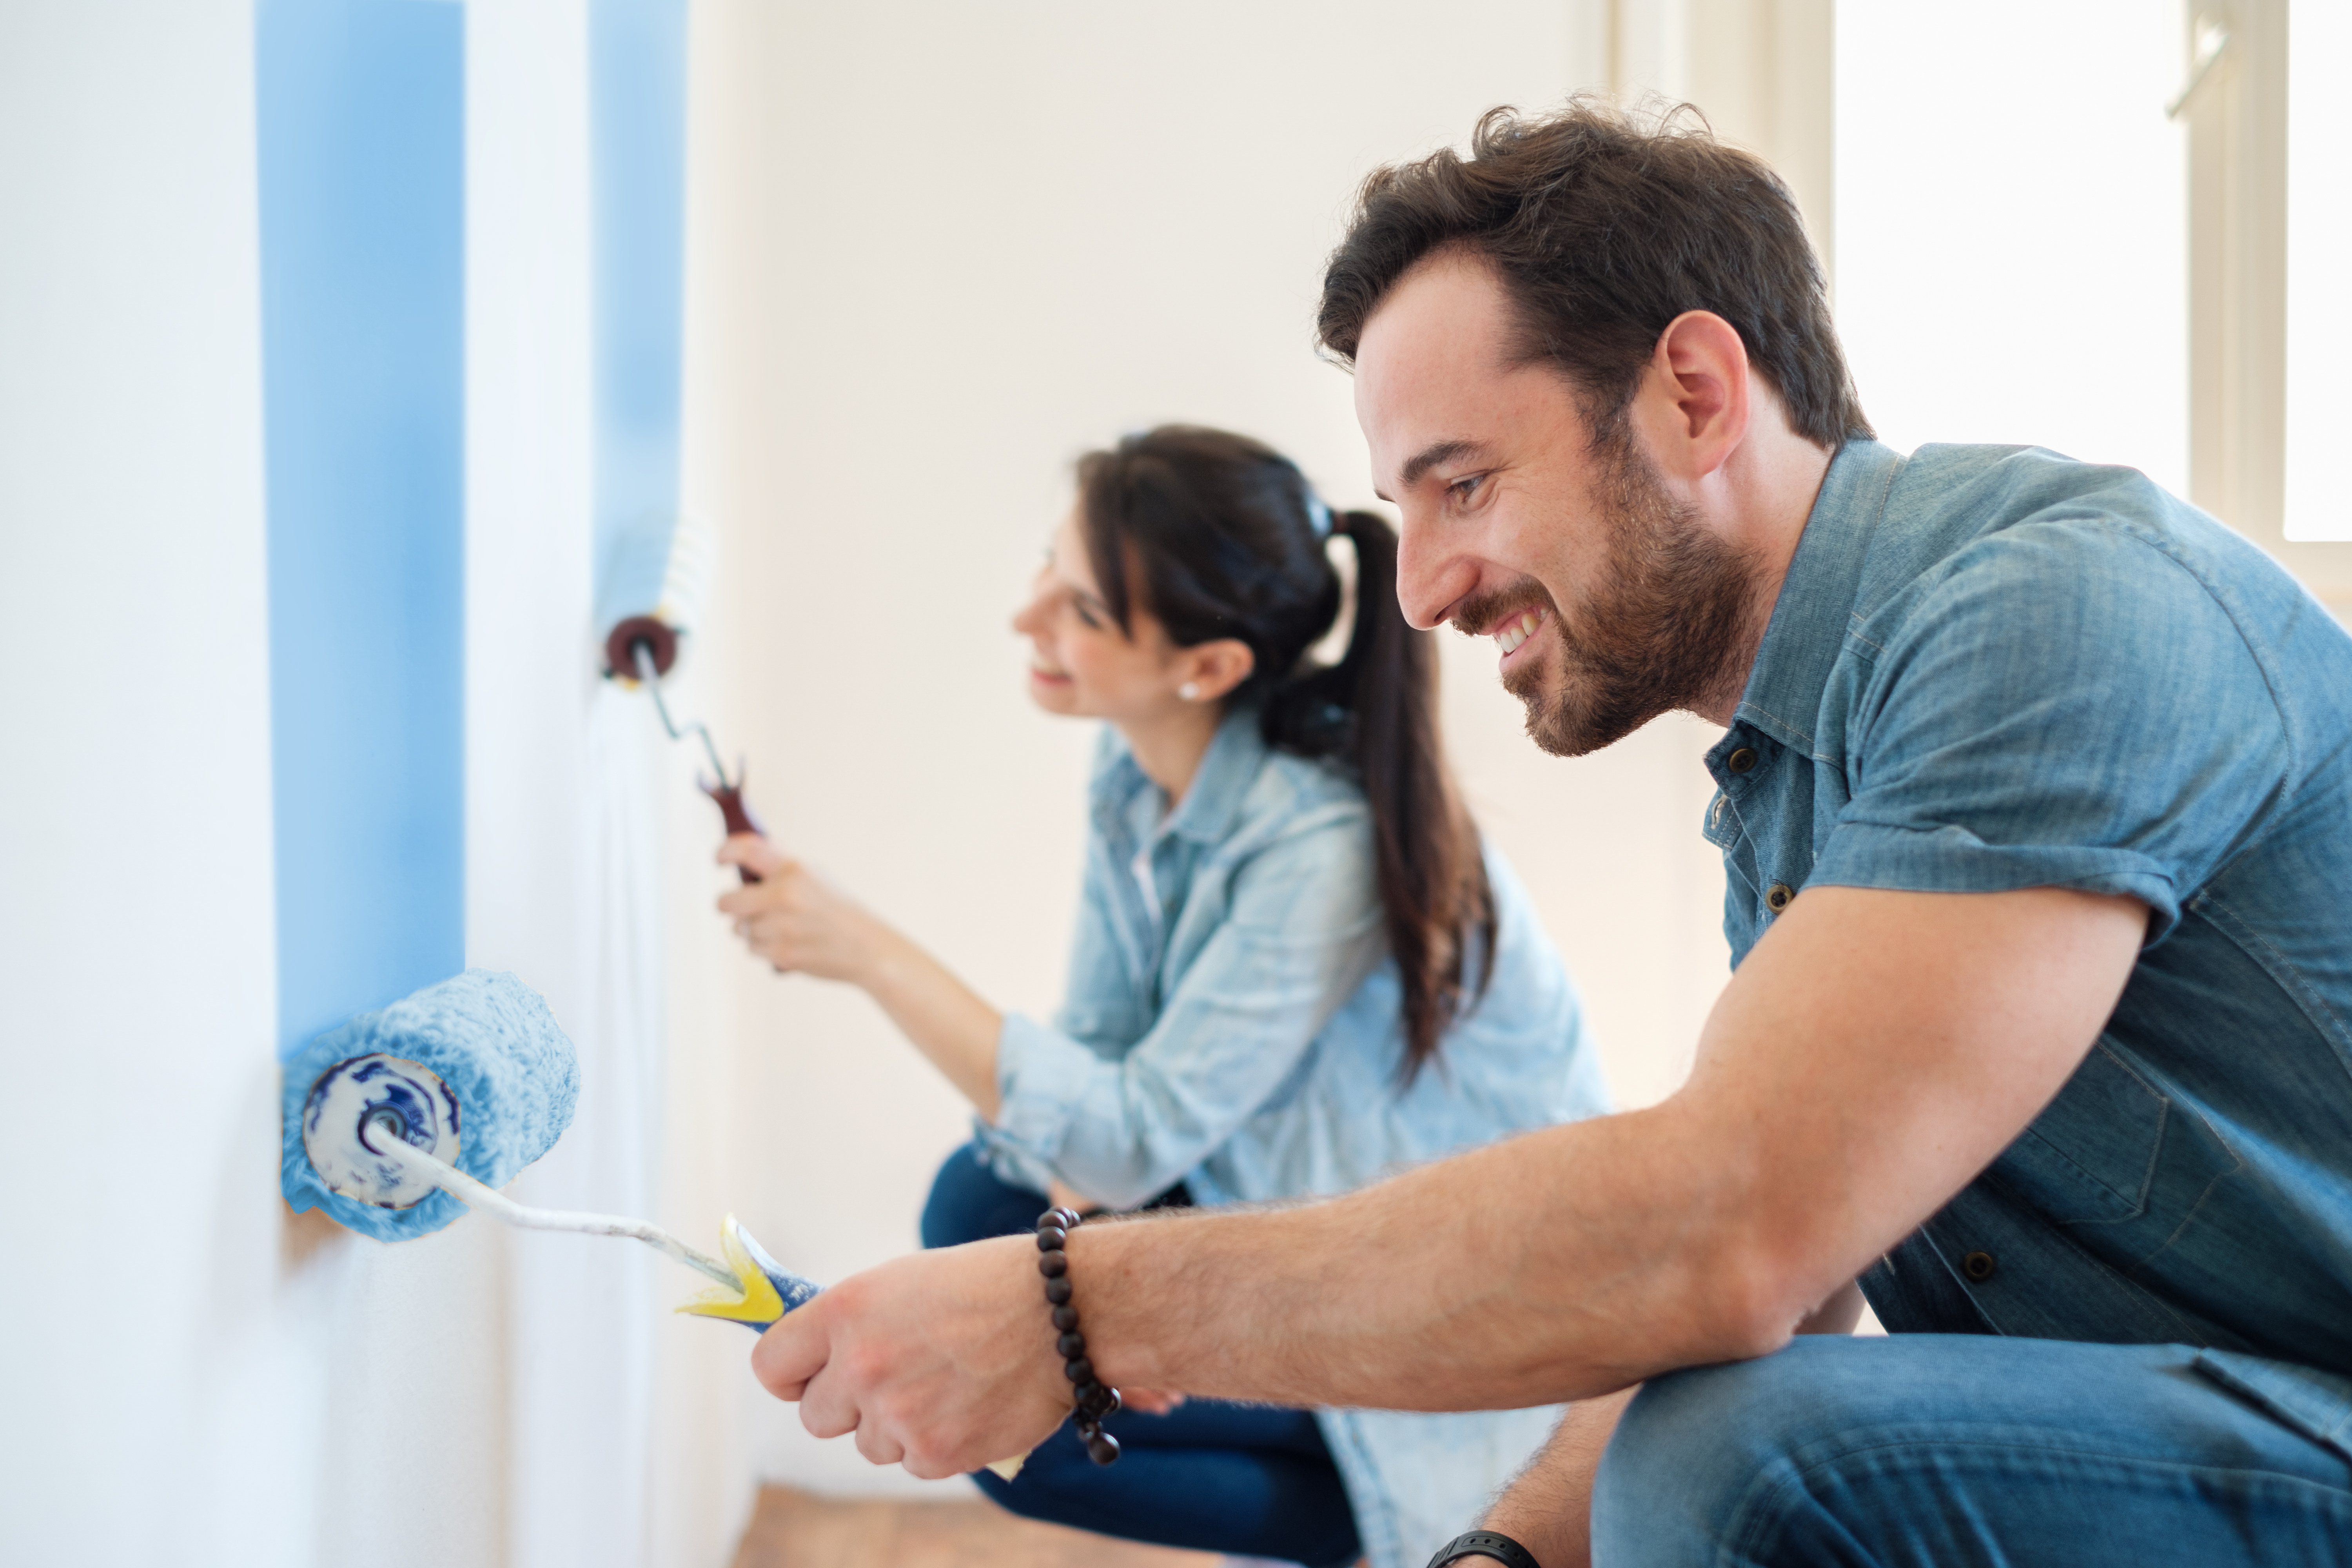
pixel 1608 602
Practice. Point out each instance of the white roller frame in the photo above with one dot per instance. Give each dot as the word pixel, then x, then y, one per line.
pixel 479 1195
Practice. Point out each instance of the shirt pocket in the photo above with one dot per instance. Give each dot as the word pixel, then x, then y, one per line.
pixel 2307 1400
pixel 2119 1160
pixel 2090 1157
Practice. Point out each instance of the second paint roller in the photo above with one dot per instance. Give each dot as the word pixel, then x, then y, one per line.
pixel 659 577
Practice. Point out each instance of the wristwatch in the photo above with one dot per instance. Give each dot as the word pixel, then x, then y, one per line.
pixel 1485 1543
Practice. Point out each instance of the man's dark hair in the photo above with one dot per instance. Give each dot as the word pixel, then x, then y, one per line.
pixel 1604 228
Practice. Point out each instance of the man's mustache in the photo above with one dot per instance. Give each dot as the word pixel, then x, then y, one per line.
pixel 1474 617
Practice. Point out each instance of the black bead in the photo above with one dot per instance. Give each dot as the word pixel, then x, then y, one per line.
pixel 1073 1344
pixel 1053 1266
pixel 1049 1240
pixel 1083 1396
pixel 1079 1369
pixel 1069 1218
pixel 1102 1447
pixel 1095 1404
pixel 1057 1290
pixel 1065 1318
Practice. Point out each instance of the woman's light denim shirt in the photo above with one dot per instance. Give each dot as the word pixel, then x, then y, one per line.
pixel 1233 1023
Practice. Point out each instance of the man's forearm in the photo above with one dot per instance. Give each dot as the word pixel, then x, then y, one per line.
pixel 1875 1052
pixel 1548 1508
pixel 1565 1263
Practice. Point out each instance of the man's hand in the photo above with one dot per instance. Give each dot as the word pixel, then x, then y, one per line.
pixel 940 1361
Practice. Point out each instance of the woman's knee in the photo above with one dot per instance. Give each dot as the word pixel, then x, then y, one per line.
pixel 968 1202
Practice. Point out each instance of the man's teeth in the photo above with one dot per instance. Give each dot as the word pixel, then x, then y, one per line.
pixel 1519 631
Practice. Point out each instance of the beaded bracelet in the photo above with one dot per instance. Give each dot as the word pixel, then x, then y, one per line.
pixel 1090 1402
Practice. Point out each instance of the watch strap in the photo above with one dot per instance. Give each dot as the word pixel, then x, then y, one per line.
pixel 1485 1543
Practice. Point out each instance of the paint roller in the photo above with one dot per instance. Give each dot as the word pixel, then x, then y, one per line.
pixel 659 571
pixel 402 1118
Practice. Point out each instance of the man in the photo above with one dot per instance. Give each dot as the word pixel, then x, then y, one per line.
pixel 2036 800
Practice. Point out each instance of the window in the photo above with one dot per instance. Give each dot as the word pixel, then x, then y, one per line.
pixel 2010 210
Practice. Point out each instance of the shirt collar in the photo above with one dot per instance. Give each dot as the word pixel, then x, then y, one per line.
pixel 1815 607
pixel 1220 784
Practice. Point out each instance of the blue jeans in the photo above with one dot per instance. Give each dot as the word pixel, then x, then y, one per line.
pixel 1948 1449
pixel 1210 1475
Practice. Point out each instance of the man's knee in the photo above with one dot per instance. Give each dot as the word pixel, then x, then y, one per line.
pixel 1697 1450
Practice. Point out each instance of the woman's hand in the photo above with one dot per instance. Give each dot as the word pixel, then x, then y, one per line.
pixel 794 920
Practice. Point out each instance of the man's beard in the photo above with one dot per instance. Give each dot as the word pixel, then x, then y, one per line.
pixel 1668 624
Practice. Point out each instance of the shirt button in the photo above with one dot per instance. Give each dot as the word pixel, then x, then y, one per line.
pixel 1977 1266
pixel 1779 897
pixel 1740 761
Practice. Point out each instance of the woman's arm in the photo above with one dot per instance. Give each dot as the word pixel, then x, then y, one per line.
pixel 801 925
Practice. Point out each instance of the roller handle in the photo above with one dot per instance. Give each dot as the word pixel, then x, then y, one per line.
pixel 729 797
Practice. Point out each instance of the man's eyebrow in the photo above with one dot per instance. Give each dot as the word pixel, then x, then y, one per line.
pixel 1429 456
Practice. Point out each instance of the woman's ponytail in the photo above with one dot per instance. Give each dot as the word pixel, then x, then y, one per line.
pixel 1226 538
pixel 1433 877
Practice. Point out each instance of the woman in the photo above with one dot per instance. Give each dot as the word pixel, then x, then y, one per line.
pixel 1295 969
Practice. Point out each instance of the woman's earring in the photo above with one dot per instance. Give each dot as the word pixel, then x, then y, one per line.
pixel 1190 692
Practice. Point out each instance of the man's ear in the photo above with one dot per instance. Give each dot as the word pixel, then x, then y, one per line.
pixel 1214 669
pixel 1694 399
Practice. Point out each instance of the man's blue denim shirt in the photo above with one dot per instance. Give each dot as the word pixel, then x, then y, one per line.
pixel 1992 668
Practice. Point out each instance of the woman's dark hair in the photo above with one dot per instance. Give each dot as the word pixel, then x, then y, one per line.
pixel 1220 536
pixel 1604 227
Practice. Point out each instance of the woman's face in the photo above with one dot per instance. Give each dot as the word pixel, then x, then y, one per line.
pixel 1080 663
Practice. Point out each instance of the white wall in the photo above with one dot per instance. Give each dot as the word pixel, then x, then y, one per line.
pixel 198 1377
pixel 935 252
pixel 161 1343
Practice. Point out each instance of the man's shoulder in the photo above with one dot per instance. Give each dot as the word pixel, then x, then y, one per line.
pixel 2007 585
pixel 1948 498
pixel 2012 529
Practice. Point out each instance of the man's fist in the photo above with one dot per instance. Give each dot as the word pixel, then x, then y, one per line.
pixel 940 1361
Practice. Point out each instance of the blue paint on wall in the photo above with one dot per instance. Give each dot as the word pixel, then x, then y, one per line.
pixel 361 121
pixel 638 129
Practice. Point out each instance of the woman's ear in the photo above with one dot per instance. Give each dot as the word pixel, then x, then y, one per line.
pixel 1208 670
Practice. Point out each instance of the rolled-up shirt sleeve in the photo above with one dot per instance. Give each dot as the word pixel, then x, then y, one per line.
pixel 1301 929
pixel 2066 708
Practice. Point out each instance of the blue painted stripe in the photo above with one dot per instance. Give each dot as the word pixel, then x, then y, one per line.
pixel 361 123
pixel 638 129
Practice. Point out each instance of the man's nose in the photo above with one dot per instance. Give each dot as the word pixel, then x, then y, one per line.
pixel 1429 582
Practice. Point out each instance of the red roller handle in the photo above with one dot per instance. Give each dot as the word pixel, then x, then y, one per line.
pixel 729 797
